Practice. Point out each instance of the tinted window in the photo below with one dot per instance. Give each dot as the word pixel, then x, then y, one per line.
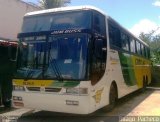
pixel 57 21
pixel 114 36
pixel 132 46
pixel 145 51
pixel 100 50
pixel 142 50
pixel 148 53
pixel 99 23
pixel 125 41
pixel 138 47
pixel 98 60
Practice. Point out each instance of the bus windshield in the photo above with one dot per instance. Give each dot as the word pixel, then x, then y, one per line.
pixel 65 54
pixel 57 21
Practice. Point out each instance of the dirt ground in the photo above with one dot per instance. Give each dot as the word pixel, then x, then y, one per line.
pixel 138 104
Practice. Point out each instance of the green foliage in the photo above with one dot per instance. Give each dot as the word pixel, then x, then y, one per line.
pixel 155 76
pixel 47 4
pixel 154 42
pixel 155 57
pixel 145 37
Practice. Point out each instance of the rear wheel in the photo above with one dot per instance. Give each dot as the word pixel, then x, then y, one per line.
pixel 144 84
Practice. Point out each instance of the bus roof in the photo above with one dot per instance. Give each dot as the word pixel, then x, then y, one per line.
pixel 86 7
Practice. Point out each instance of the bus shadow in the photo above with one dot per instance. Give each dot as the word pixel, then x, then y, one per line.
pixel 124 106
pixel 127 104
pixel 4 109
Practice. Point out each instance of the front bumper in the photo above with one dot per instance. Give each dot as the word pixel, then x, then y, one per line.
pixel 75 104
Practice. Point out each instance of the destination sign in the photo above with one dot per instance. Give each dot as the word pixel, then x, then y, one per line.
pixel 42 34
pixel 66 31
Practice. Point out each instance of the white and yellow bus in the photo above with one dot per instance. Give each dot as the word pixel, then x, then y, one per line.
pixel 77 60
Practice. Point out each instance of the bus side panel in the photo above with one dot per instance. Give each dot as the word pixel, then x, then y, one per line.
pixel 122 72
pixel 135 69
pixel 128 69
pixel 121 68
pixel 142 70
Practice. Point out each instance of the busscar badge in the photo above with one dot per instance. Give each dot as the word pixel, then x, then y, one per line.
pixel 98 95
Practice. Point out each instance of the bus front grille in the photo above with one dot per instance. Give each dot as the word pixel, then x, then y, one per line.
pixel 47 89
pixel 33 88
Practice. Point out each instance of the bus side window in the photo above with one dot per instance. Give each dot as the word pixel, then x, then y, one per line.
pixel 99 23
pixel 125 42
pixel 148 53
pixel 142 50
pixel 114 37
pixel 138 48
pixel 145 52
pixel 96 23
pixel 132 46
pixel 98 60
pixel 99 49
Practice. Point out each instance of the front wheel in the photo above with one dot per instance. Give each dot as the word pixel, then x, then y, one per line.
pixel 112 98
pixel 145 83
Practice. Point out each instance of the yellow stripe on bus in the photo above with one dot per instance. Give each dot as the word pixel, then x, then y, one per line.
pixel 21 82
pixel 142 67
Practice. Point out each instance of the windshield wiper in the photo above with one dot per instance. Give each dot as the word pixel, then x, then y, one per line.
pixel 30 69
pixel 55 68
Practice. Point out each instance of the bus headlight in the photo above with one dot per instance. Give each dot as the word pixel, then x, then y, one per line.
pixel 77 90
pixel 17 98
pixel 18 88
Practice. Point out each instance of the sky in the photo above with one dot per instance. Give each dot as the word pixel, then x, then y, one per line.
pixel 135 15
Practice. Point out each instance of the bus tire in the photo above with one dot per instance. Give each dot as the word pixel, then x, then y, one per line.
pixel 112 98
pixel 144 84
pixel 147 81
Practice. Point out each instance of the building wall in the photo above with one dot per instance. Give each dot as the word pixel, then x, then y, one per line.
pixel 11 17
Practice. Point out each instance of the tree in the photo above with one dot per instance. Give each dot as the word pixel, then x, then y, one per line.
pixel 146 37
pixel 154 42
pixel 47 4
